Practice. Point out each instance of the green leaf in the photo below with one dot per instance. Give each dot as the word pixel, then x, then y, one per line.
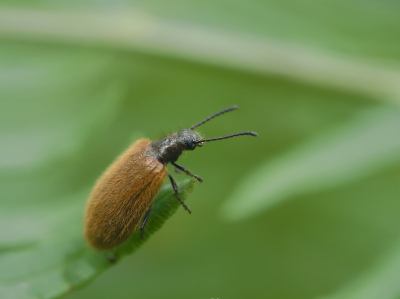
pixel 133 30
pixel 46 254
pixel 380 280
pixel 349 152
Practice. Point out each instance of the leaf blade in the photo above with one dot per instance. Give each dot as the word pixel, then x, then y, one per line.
pixel 70 263
pixel 188 41
pixel 345 154
pixel 380 280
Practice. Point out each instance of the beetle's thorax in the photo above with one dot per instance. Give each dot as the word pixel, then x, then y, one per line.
pixel 169 149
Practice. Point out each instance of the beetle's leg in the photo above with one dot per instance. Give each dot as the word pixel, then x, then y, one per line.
pixel 175 187
pixel 187 172
pixel 144 222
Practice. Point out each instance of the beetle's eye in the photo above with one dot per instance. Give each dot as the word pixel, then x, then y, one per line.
pixel 191 144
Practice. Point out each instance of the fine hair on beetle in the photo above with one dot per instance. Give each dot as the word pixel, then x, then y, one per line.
pixel 123 195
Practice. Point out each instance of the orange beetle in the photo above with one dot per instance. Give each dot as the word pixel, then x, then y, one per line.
pixel 124 193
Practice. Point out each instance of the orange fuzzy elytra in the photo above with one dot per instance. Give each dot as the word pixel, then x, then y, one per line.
pixel 124 193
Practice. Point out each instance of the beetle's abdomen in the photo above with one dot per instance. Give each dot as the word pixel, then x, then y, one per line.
pixel 122 195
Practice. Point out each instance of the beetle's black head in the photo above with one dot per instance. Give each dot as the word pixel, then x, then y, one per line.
pixel 187 139
pixel 169 149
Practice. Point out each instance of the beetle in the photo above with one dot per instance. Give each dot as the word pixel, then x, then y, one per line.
pixel 123 195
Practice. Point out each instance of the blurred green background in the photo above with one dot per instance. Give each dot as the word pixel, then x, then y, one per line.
pixel 309 209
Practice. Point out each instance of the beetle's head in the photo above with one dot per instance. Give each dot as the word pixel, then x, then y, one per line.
pixel 188 139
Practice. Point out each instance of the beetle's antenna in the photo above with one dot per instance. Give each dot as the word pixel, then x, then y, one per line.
pixel 214 115
pixel 227 136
